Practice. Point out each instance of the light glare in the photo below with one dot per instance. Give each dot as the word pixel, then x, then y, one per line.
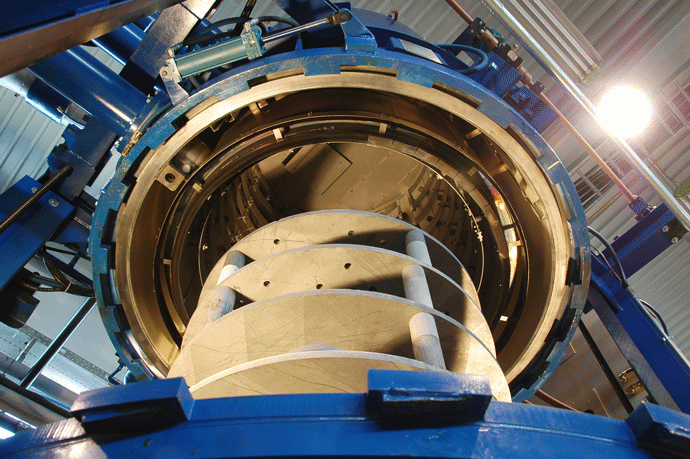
pixel 4 433
pixel 624 111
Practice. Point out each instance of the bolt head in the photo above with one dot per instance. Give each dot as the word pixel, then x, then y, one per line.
pixel 664 229
pixel 53 202
pixel 674 240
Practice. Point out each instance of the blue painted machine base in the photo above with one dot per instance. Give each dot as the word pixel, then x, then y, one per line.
pixel 343 425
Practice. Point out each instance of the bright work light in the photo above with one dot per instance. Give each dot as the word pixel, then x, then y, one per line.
pixel 624 111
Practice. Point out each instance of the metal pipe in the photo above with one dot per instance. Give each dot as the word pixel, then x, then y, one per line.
pixel 57 343
pixel 34 397
pixel 458 9
pixel 553 401
pixel 599 160
pixel 89 83
pixel 656 161
pixel 31 200
pixel 335 18
pixel 120 43
pixel 605 367
pixel 37 94
pixel 224 297
pixel 556 72
pixel 425 340
pixel 491 42
pixel 415 246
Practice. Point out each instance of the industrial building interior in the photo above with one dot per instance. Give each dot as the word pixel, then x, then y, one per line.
pixel 206 212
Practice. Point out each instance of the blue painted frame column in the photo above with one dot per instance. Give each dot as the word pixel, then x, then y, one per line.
pixel 659 363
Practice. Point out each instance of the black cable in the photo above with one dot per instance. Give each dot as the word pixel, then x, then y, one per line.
pixel 288 21
pixel 656 314
pixel 33 282
pixel 455 48
pixel 69 286
pixel 623 278
pixel 63 268
pixel 221 23
pixel 204 36
pixel 246 12
pixel 607 263
pixel 643 305
pixel 37 288
pixel 41 280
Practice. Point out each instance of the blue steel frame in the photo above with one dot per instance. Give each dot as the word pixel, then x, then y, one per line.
pixel 404 413
pixel 660 365
pixel 28 234
pixel 49 27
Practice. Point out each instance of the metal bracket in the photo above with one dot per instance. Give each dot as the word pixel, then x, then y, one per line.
pixel 251 38
pixel 414 393
pixel 148 406
pixel 658 428
pixel 171 77
pixel 357 36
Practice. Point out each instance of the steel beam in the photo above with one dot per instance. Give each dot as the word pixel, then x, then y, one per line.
pixel 89 83
pixel 29 405
pixel 57 343
pixel 41 40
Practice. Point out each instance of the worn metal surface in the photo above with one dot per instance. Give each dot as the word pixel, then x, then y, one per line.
pixel 141 406
pixel 420 396
pixel 307 288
